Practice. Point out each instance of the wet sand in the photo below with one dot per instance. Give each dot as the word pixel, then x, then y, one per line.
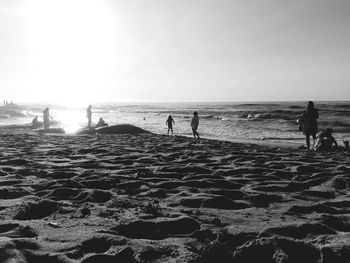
pixel 152 198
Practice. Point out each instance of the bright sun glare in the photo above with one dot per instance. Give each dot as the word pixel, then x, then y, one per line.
pixel 71 49
pixel 71 120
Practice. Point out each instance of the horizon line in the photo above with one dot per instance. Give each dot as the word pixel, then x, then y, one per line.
pixel 177 101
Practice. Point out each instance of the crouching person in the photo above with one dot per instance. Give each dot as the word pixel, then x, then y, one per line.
pixel 325 141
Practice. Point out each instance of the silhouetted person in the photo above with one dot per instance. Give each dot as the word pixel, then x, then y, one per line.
pixel 170 121
pixel 308 123
pixel 325 141
pixel 101 123
pixel 35 122
pixel 194 124
pixel 46 117
pixel 89 115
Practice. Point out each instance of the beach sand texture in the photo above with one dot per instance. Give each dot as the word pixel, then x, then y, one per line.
pixel 154 198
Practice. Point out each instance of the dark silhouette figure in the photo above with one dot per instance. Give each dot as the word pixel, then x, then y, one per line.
pixel 194 124
pixel 101 123
pixel 325 141
pixel 46 116
pixel 89 115
pixel 308 123
pixel 170 121
pixel 35 122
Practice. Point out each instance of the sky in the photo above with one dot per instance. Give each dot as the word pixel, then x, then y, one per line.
pixel 84 51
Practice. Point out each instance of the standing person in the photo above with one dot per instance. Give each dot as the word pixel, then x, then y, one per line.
pixel 170 121
pixel 309 124
pixel 194 124
pixel 46 116
pixel 89 115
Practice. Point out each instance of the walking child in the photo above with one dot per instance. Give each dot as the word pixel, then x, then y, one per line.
pixel 194 124
pixel 170 121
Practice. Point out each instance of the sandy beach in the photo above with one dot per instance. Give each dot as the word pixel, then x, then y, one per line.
pixel 154 198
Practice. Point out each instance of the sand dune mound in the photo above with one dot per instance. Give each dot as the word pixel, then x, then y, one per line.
pixel 120 129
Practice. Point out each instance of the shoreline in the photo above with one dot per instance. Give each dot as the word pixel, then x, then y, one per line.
pixel 264 143
pixel 259 142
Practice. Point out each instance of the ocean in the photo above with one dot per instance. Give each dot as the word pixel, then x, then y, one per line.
pixel 235 121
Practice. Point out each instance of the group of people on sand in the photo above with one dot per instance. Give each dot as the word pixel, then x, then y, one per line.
pixel 169 122
pixel 194 124
pixel 322 141
pixel 101 122
pixel 46 119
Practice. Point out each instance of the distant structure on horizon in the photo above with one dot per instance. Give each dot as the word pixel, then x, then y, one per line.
pixel 9 104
